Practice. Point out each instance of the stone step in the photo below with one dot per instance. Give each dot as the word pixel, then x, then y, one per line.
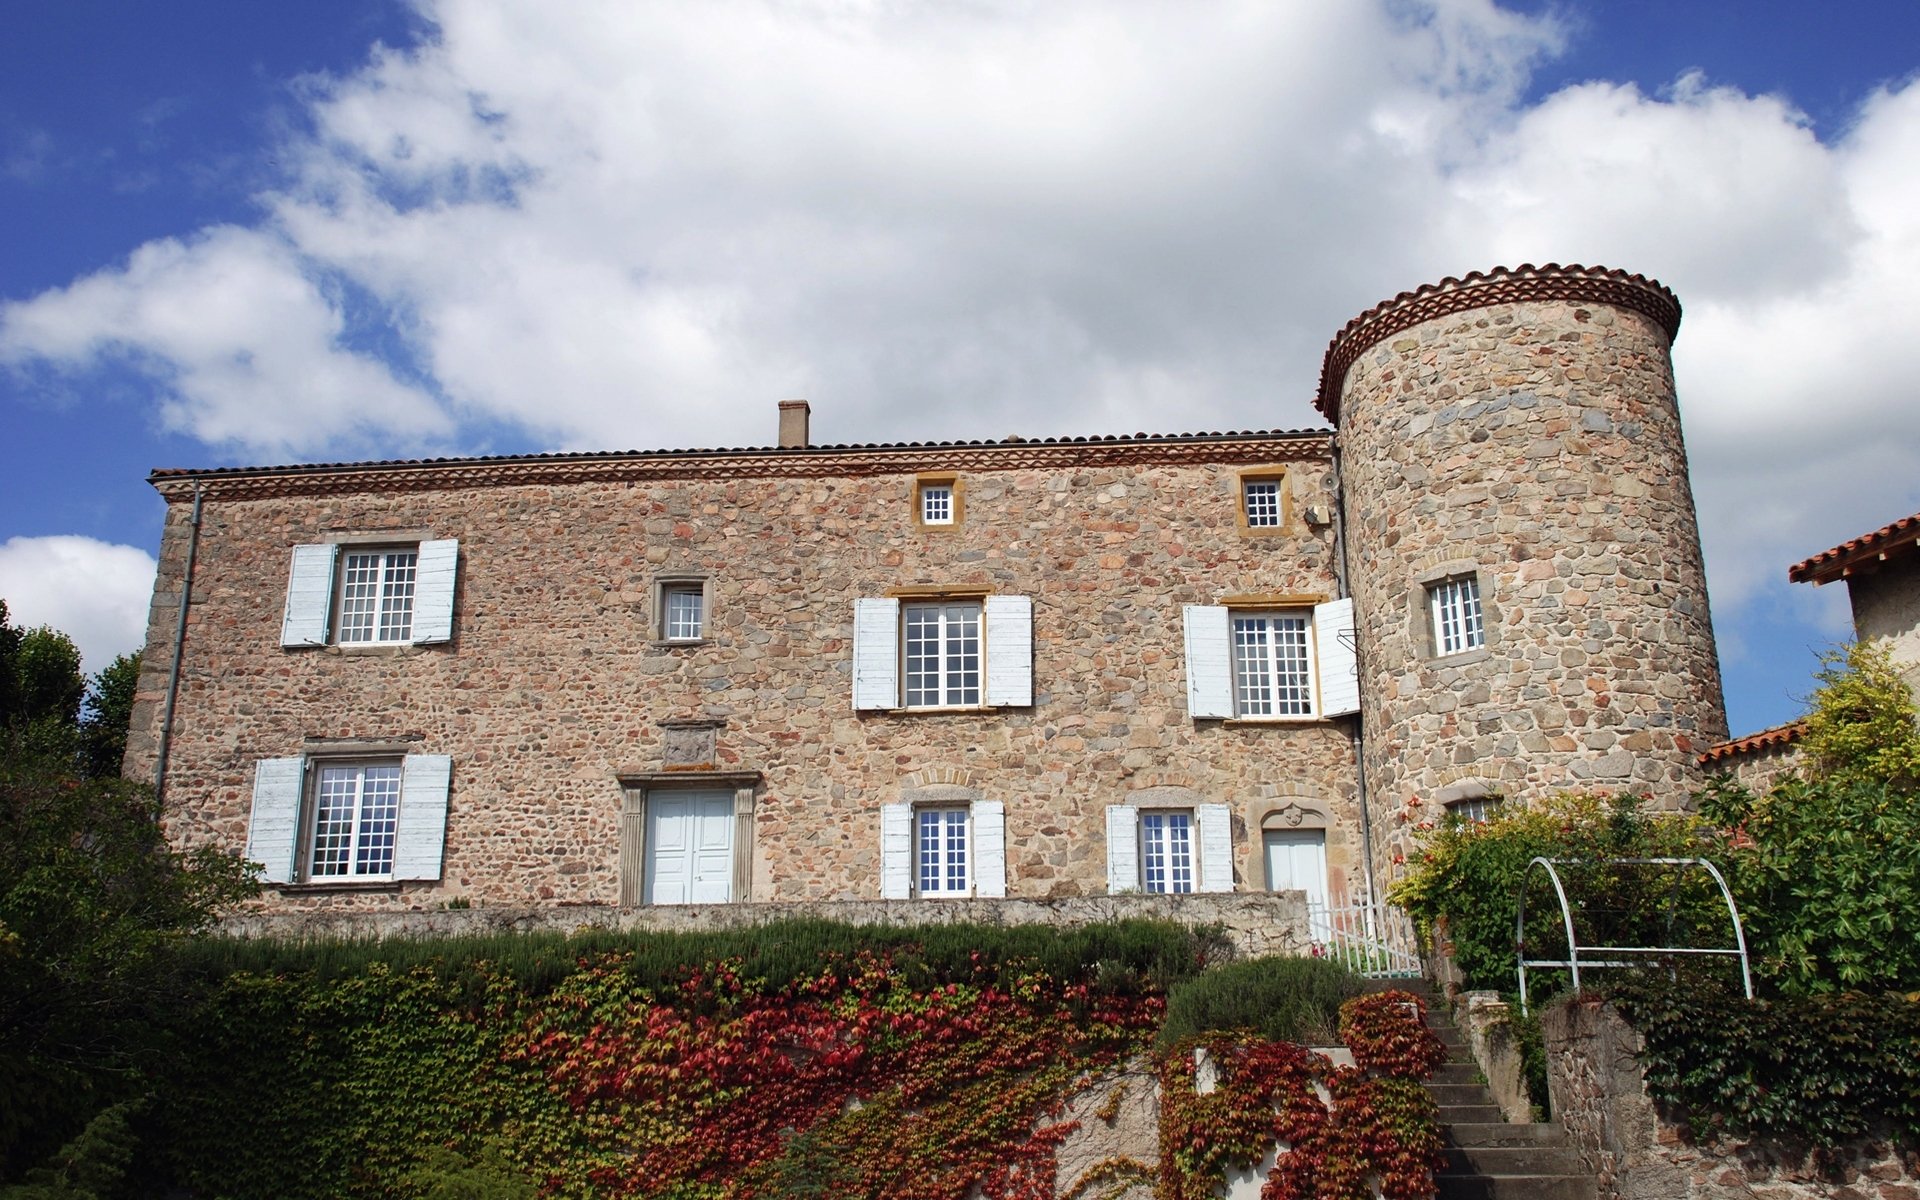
pixel 1470 1114
pixel 1516 1187
pixel 1500 1133
pixel 1459 1072
pixel 1513 1160
pixel 1452 1095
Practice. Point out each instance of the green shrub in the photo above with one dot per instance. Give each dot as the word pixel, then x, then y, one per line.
pixel 1472 875
pixel 1281 999
pixel 1826 1068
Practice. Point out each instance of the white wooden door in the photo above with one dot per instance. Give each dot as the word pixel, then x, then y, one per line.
pixel 1297 861
pixel 689 848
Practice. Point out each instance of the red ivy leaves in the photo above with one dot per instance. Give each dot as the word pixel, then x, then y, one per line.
pixel 1388 1035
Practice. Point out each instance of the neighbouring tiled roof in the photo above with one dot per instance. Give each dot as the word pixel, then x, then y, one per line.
pixel 870 458
pixel 1754 743
pixel 1862 554
pixel 1502 285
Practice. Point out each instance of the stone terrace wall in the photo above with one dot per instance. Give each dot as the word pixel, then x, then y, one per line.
pixel 554 681
pixel 1254 923
pixel 1599 1093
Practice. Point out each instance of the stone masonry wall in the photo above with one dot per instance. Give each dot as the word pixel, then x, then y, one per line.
pixel 1599 1093
pixel 1537 446
pixel 554 682
pixel 1886 606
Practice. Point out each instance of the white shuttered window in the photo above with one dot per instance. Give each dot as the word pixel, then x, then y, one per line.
pixel 338 820
pixel 371 595
pixel 942 653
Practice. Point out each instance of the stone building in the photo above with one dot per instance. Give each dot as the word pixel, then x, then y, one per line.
pixel 1023 668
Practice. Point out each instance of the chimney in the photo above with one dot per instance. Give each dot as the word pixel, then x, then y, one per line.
pixel 793 423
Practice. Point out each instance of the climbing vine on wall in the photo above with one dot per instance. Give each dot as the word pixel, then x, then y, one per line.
pixel 1341 1129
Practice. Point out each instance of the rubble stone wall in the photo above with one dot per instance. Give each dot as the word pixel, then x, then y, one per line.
pixel 1535 446
pixel 1599 1093
pixel 555 682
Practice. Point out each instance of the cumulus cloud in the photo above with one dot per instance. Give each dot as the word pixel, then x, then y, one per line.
pixel 639 227
pixel 94 592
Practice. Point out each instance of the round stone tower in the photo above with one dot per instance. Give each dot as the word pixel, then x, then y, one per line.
pixel 1531 608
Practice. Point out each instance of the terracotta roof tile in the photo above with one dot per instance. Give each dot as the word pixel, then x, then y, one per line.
pixel 1859 555
pixel 1753 743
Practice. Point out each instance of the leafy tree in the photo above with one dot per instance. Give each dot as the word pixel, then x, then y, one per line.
pixel 1826 864
pixel 93 905
pixel 103 731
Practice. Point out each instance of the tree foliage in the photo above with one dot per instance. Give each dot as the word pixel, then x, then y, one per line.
pixel 1826 864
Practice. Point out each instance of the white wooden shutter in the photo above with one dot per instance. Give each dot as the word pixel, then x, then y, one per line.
pixel 1216 846
pixel 274 827
pixel 420 838
pixel 309 596
pixel 1209 630
pixel 1010 651
pixel 1333 643
pixel 896 851
pixel 433 578
pixel 1123 848
pixel 989 848
pixel 876 652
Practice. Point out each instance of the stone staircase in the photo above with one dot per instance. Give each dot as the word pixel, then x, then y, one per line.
pixel 1488 1158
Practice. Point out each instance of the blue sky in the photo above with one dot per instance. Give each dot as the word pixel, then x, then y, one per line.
pixel 242 233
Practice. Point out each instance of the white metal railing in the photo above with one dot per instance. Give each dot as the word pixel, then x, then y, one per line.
pixel 1374 940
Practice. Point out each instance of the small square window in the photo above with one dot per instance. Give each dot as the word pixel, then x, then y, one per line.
pixel 941 852
pixel 1453 607
pixel 936 504
pixel 1263 503
pixel 685 616
pixel 1475 810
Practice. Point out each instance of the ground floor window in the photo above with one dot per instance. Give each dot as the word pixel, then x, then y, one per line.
pixel 356 813
pixel 942 852
pixel 1166 852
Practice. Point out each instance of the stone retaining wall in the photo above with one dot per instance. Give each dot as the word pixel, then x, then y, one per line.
pixel 1254 923
pixel 1599 1092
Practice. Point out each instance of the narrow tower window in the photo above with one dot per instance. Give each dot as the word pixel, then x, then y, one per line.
pixel 1454 605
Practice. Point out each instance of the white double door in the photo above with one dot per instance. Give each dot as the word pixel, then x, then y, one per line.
pixel 1297 861
pixel 689 848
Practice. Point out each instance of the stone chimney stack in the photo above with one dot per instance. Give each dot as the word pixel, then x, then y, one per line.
pixel 793 423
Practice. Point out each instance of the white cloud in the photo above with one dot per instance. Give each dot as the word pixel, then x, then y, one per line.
pixel 94 592
pixel 639 226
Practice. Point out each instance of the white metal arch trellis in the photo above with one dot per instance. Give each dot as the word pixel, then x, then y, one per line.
pixel 1575 963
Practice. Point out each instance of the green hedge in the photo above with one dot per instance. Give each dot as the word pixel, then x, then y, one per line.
pixel 1826 1068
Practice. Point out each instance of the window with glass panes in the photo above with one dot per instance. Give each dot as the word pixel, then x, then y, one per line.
pixel 685 615
pixel 356 809
pixel 1166 852
pixel 1263 503
pixel 942 851
pixel 942 654
pixel 376 596
pixel 1272 665
pixel 936 504
pixel 1454 605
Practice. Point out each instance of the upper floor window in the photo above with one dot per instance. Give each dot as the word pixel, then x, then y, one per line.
pixel 1272 665
pixel 942 653
pixel 1453 607
pixel 370 595
pixel 1263 503
pixel 1267 664
pixel 376 596
pixel 938 502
